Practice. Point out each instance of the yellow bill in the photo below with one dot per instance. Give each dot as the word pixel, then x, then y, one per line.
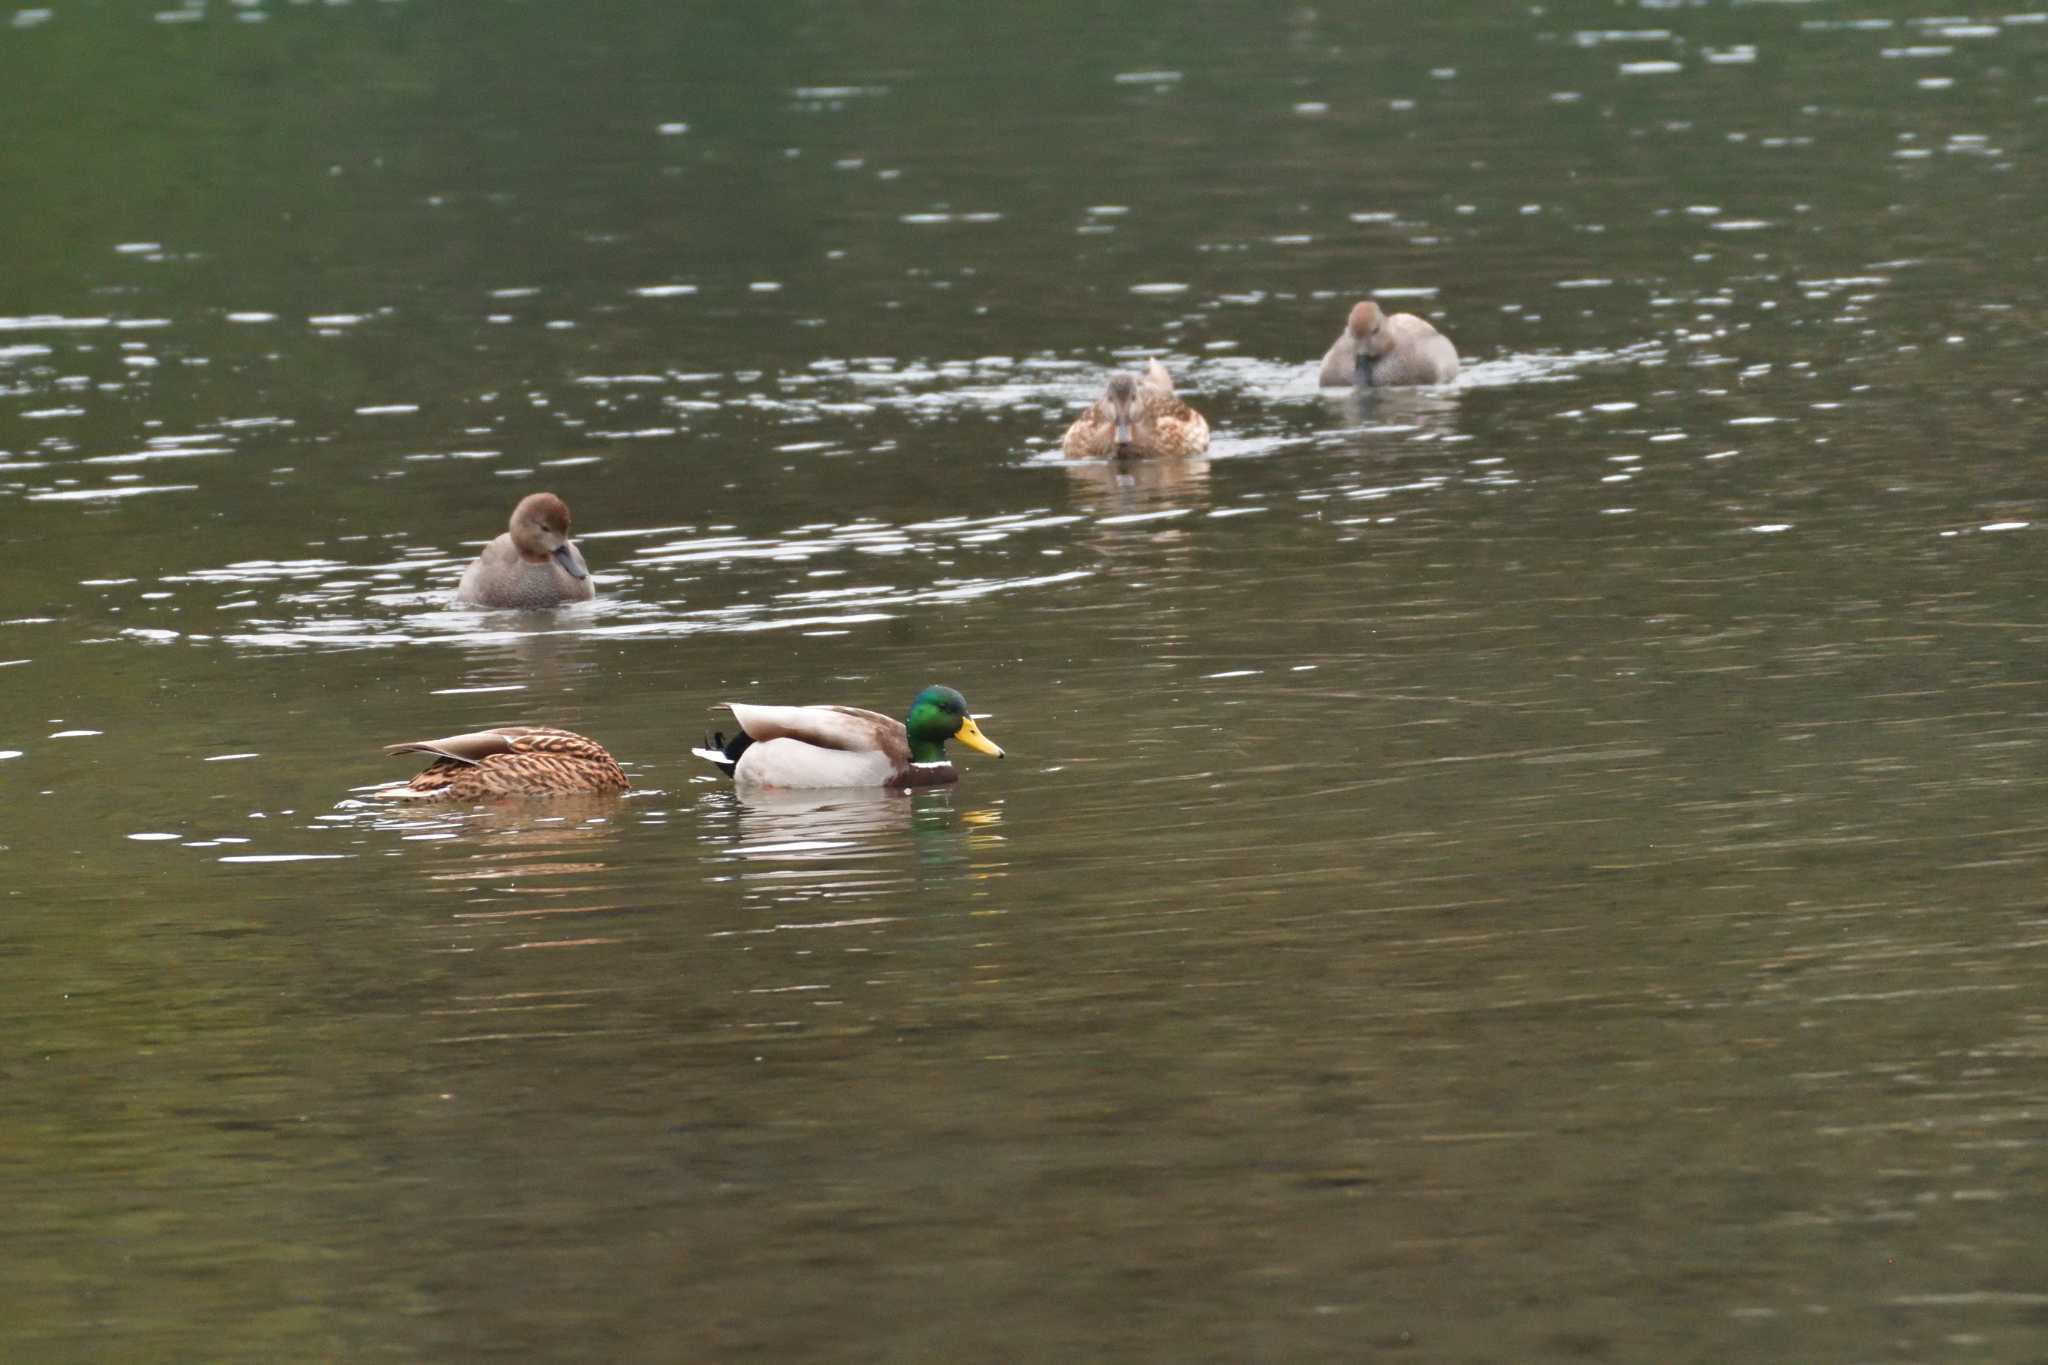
pixel 970 734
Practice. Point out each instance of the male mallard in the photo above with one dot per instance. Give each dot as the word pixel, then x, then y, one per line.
pixel 512 760
pixel 1378 350
pixel 844 746
pixel 1137 417
pixel 532 565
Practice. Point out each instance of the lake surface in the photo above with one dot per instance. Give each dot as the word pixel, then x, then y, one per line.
pixel 1544 868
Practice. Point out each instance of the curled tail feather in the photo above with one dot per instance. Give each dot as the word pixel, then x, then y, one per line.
pixel 722 753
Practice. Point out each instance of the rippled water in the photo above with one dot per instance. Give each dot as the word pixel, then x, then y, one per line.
pixel 1544 867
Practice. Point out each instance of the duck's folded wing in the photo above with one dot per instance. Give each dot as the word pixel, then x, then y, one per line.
pixel 471 748
pixel 1340 363
pixel 1410 330
pixel 1088 437
pixel 828 727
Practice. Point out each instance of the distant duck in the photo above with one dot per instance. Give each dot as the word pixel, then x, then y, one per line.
pixel 511 760
pixel 1380 350
pixel 533 565
pixel 844 746
pixel 1137 417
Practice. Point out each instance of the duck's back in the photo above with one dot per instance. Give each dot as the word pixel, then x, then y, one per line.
pixel 1421 354
pixel 511 760
pixel 1175 428
pixel 500 578
pixel 1169 426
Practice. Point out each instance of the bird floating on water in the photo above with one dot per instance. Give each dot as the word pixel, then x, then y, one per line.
pixel 845 746
pixel 511 760
pixel 1137 417
pixel 1381 350
pixel 533 565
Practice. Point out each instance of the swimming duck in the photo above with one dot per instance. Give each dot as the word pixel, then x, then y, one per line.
pixel 511 760
pixel 1137 417
pixel 1379 350
pixel 844 746
pixel 532 565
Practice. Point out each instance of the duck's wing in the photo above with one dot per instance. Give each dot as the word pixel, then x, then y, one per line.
pixel 828 727
pixel 1162 405
pixel 1403 326
pixel 1340 363
pixel 1091 437
pixel 1186 433
pixel 474 747
pixel 1176 428
pixel 1421 354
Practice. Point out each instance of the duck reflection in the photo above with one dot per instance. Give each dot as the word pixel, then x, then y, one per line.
pixel 1123 487
pixel 849 844
pixel 1139 510
pixel 570 818
pixel 581 820
pixel 771 816
pixel 560 836
pixel 551 856
pixel 1400 413
pixel 511 869
pixel 543 650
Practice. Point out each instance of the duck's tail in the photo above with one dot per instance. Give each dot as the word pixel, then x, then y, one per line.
pixel 721 753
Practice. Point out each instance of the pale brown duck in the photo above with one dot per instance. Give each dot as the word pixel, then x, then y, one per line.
pixel 533 565
pixel 1381 350
pixel 1137 418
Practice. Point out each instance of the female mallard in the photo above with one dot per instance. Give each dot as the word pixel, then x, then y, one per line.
pixel 1378 350
pixel 844 746
pixel 533 565
pixel 512 760
pixel 1137 417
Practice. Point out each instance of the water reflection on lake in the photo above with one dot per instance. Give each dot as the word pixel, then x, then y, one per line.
pixel 1546 866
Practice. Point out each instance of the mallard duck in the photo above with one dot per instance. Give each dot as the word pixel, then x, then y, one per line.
pixel 1137 417
pixel 512 760
pixel 533 565
pixel 844 746
pixel 1379 350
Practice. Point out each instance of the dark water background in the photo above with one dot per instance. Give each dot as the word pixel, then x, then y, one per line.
pixel 1549 868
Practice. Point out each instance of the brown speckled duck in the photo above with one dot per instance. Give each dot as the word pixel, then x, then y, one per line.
pixel 1380 350
pixel 1137 417
pixel 511 760
pixel 533 565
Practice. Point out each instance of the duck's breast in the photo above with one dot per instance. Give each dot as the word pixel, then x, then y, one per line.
pixel 500 578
